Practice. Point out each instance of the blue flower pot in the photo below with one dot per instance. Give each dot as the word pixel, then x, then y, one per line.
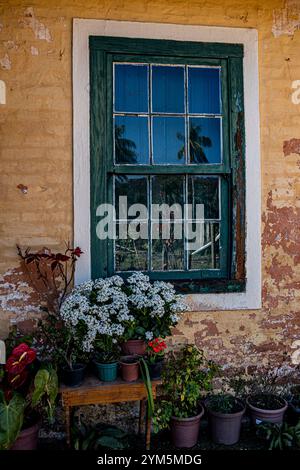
pixel 106 372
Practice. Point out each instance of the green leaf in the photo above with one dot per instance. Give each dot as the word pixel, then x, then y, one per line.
pixel 140 330
pixel 45 386
pixel 11 419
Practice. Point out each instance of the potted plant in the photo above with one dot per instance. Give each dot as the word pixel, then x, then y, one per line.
pixel 63 344
pixel 155 357
pixel 262 392
pixel 155 308
pixel 225 414
pixel 266 408
pixel 129 368
pixel 106 358
pixel 187 375
pixel 28 390
pixel 93 311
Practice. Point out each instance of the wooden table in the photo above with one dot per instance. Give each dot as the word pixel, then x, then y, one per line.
pixel 95 392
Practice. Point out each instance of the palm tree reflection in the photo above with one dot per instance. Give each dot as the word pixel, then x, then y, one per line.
pixel 197 143
pixel 124 148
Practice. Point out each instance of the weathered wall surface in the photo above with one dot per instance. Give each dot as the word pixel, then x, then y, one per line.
pixel 36 152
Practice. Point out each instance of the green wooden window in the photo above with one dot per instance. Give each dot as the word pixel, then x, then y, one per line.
pixel 167 128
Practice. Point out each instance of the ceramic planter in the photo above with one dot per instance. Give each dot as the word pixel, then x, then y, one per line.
pixel 129 368
pixel 271 416
pixel 73 377
pixel 27 439
pixel 155 369
pixel 107 372
pixel 225 428
pixel 185 431
pixel 134 347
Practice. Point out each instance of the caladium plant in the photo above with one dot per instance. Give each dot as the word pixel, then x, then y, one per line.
pixel 11 419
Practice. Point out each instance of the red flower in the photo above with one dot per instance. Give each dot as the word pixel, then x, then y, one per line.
pixel 20 357
pixel 77 252
pixel 157 345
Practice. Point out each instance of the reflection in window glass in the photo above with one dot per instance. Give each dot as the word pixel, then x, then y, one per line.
pixel 168 140
pixel 131 139
pixel 167 89
pixel 130 254
pixel 131 88
pixel 204 245
pixel 205 140
pixel 204 90
pixel 167 252
pixel 134 188
pixel 204 191
pixel 168 189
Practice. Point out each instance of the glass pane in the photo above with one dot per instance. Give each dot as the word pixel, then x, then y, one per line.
pixel 167 89
pixel 203 195
pixel 131 88
pixel 167 189
pixel 203 245
pixel 205 140
pixel 204 90
pixel 131 254
pixel 167 246
pixel 130 190
pixel 131 139
pixel 168 140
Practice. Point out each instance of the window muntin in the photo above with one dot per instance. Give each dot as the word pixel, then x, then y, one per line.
pixel 174 113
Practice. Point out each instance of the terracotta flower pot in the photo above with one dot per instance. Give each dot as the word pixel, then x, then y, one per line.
pixel 129 368
pixel 134 346
pixel 225 428
pixel 269 415
pixel 27 439
pixel 185 431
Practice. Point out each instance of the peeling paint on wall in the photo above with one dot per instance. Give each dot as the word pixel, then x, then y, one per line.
pixel 34 50
pixel 5 62
pixel 291 146
pixel 281 229
pixel 10 45
pixel 17 298
pixel 40 30
pixel 286 21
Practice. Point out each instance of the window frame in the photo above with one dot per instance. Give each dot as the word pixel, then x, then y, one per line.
pixel 101 51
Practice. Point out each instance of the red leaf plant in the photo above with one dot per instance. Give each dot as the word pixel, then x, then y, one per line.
pixel 50 274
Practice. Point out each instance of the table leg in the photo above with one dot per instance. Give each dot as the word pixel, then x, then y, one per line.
pixel 148 431
pixel 68 425
pixel 142 415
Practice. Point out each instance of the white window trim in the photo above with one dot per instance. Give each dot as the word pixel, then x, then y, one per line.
pixel 82 29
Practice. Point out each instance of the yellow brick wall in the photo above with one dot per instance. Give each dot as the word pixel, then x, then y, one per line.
pixel 36 151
